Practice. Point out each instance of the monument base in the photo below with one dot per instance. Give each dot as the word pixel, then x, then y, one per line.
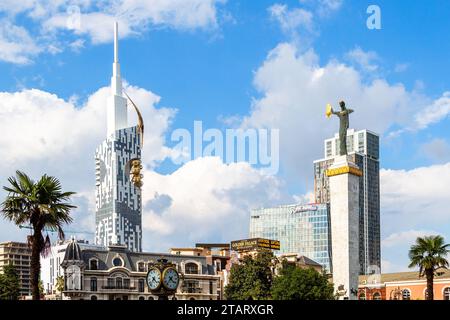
pixel 344 212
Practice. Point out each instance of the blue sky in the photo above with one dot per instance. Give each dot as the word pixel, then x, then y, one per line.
pixel 224 60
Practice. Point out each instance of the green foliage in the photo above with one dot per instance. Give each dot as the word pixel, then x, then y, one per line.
pixel 294 283
pixel 41 204
pixel 429 254
pixel 9 284
pixel 252 278
pixel 59 284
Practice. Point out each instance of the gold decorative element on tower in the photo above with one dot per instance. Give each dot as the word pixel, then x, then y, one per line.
pixel 135 172
pixel 140 119
pixel 329 110
pixel 344 170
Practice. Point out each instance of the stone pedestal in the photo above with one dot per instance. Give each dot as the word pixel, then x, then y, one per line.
pixel 344 212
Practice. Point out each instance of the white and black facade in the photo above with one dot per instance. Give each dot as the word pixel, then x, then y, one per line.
pixel 118 198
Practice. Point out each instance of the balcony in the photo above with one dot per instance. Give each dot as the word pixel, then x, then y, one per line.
pixel 118 288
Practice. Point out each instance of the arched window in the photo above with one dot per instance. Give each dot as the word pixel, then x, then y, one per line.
pixel 376 296
pixel 151 298
pixel 93 297
pixel 191 298
pixel 73 278
pixel 141 298
pixel 93 284
pixel 362 296
pixel 406 294
pixel 447 293
pixel 191 268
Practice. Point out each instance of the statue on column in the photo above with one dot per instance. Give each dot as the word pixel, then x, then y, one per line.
pixel 344 125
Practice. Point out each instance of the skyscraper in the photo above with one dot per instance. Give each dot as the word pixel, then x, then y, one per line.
pixel 301 229
pixel 118 180
pixel 363 148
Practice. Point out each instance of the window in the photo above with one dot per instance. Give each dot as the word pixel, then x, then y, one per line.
pixel 191 268
pixel 141 298
pixel 362 296
pixel 151 298
pixel 447 293
pixel 110 283
pixel 406 294
pixel 126 283
pixel 118 283
pixel 141 285
pixel 93 297
pixel 93 284
pixel 117 262
pixel 93 264
pixel 141 267
pixel 211 290
pixel 376 296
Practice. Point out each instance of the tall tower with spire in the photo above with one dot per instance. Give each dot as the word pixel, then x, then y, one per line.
pixel 118 217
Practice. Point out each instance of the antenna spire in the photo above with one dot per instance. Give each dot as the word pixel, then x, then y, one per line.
pixel 116 41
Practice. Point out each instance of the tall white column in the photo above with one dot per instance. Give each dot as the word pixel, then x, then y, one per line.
pixel 344 211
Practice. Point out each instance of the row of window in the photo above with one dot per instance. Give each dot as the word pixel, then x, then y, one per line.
pixel 405 294
pixel 189 268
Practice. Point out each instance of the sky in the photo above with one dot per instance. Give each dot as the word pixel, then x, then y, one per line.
pixel 238 64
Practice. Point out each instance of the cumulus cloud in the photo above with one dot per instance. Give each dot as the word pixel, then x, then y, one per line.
pixel 294 90
pixel 435 112
pixel 204 200
pixel 94 19
pixel 43 133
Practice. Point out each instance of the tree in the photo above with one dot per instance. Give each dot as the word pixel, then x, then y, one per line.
pixel 428 253
pixel 41 204
pixel 9 284
pixel 59 285
pixel 294 283
pixel 252 278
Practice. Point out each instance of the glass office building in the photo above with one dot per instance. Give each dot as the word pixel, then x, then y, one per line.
pixel 363 148
pixel 301 229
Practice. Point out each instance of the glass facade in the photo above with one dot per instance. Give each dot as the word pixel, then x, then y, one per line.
pixel 301 229
pixel 363 147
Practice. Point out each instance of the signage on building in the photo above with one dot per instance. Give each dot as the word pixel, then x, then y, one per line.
pixel 255 244
pixel 304 208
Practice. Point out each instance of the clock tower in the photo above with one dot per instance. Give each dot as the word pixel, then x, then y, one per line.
pixel 118 202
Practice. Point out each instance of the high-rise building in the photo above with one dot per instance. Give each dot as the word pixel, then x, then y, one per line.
pixel 363 149
pixel 118 180
pixel 17 254
pixel 301 229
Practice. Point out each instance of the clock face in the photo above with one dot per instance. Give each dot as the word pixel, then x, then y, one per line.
pixel 170 278
pixel 154 278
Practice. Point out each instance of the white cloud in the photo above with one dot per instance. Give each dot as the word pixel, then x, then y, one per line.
pixel 16 45
pixel 434 112
pixel 365 59
pixel 437 150
pixel 95 20
pixel 42 133
pixel 405 238
pixel 416 198
pixel 291 20
pixel 203 200
pixel 295 89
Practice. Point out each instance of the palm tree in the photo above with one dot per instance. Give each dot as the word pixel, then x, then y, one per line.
pixel 42 205
pixel 429 254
